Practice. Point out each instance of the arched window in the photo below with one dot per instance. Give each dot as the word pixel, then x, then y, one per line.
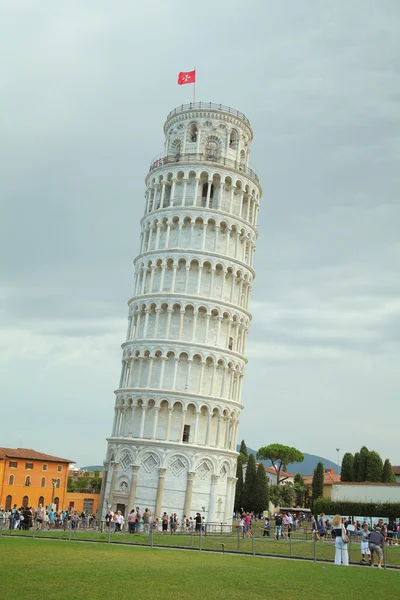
pixel 41 501
pixel 11 480
pixel 204 193
pixel 192 133
pixel 234 139
pixel 25 501
pixel 58 482
pixel 27 480
pixel 56 501
pixel 8 502
pixel 43 482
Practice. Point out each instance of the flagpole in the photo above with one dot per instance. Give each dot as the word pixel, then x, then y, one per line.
pixel 194 86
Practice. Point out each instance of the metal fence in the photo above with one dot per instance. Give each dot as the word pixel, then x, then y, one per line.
pixel 208 106
pixel 214 537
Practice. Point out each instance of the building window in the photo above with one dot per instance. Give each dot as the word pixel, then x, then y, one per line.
pixel 186 434
pixel 25 501
pixel 8 502
pixel 230 345
pixel 44 467
pixel 11 480
pixel 27 480
pixel 88 505
pixel 58 482
pixel 29 466
pixel 192 133
pixel 71 504
pixel 59 468
pixel 41 501
pixel 43 482
pixel 234 139
pixel 13 464
pixel 56 502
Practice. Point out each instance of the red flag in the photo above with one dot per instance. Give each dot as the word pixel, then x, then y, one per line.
pixel 187 77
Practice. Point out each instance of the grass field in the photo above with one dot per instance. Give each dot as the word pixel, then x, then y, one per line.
pixel 299 546
pixel 58 570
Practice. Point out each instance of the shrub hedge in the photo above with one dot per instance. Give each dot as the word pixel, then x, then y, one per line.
pixel 352 509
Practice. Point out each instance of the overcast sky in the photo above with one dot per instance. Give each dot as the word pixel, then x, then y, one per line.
pixel 84 91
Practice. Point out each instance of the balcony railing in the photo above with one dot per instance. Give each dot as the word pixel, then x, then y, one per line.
pixel 208 106
pixel 161 161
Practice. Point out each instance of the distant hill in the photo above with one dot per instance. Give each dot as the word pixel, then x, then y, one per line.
pixel 91 468
pixel 305 468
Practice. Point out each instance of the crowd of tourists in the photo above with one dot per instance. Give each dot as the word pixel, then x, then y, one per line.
pixel 144 522
pixel 26 517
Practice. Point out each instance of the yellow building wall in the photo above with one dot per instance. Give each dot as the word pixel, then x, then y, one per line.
pixel 18 489
pixel 76 500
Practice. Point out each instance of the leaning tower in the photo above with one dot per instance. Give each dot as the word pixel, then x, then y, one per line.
pixel 173 442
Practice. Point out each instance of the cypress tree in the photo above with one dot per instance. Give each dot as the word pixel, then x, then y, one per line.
pixel 299 489
pixel 239 485
pixel 318 482
pixel 387 473
pixel 261 502
pixel 347 469
pixel 249 481
pixel 362 473
pixel 374 467
pixel 356 466
pixel 243 449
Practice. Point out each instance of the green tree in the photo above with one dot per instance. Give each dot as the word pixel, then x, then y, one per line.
pixel 288 494
pixel 70 484
pixel 249 484
pixel 261 502
pixel 307 496
pixel 275 494
pixel 299 488
pixel 374 467
pixel 280 457
pixel 95 484
pixel 362 473
pixel 387 473
pixel 82 483
pixel 318 482
pixel 239 485
pixel 243 449
pixel 347 469
pixel 356 466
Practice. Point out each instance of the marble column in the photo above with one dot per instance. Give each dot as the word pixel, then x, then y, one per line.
pixel 189 493
pixel 132 491
pixel 211 507
pixel 160 490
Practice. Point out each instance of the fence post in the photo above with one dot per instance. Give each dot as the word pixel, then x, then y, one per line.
pixel 200 537
pixel 151 534
pixel 1 526
pixel 34 526
pixel 384 554
pixel 290 540
pixel 109 531
pixel 350 547
pixel 315 548
pixel 238 537
pixel 252 543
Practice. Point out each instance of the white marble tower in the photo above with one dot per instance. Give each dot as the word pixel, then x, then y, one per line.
pixel 173 441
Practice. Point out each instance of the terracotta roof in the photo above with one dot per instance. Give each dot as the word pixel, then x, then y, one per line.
pixel 282 474
pixel 30 454
pixel 329 479
pixel 396 470
pixel 367 483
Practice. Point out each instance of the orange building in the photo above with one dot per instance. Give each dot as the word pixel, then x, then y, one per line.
pixel 30 478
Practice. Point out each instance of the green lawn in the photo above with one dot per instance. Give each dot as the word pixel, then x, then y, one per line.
pixel 300 547
pixel 60 570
